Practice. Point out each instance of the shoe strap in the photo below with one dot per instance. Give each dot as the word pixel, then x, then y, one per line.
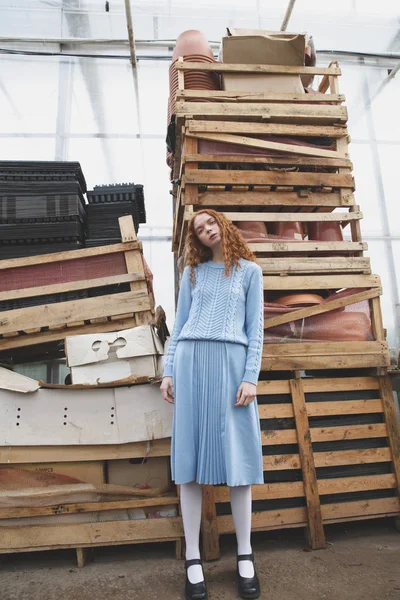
pixel 245 557
pixel 193 561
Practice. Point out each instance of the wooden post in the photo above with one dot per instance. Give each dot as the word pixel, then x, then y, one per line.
pixel 134 264
pixel 209 528
pixel 389 409
pixel 315 526
pixel 83 555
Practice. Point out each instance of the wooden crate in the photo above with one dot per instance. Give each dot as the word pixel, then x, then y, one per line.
pixel 50 322
pixel 331 453
pixel 295 355
pixel 83 536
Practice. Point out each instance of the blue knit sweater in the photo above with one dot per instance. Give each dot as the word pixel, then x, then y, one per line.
pixel 223 309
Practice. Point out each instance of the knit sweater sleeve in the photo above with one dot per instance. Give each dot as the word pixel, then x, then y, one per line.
pixel 182 315
pixel 254 324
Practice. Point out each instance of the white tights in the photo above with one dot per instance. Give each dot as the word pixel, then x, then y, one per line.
pixel 240 497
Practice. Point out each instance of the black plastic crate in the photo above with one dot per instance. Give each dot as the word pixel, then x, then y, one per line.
pixel 32 233
pixel 33 171
pixel 8 251
pixel 46 208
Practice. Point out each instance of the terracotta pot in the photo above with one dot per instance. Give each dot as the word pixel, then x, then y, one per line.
pixel 288 229
pixel 299 299
pixel 192 42
pixel 326 231
pixel 340 327
pixel 256 227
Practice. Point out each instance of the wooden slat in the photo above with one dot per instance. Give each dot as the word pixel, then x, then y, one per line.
pixel 268 519
pixel 322 409
pixel 60 536
pixel 41 259
pixel 226 96
pixel 200 126
pixel 389 410
pixel 258 198
pixel 320 308
pixel 295 489
pixel 335 361
pixel 264 144
pixel 324 348
pixel 329 264
pixel 72 311
pixel 275 160
pixel 321 282
pixel 214 176
pixel 286 217
pixel 346 510
pixel 307 246
pixel 38 454
pixel 60 288
pixel 325 434
pixel 281 462
pixel 333 384
pixel 246 68
pixel 316 530
pixel 59 332
pixel 84 507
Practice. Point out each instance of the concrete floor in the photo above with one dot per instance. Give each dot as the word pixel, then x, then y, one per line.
pixel 361 562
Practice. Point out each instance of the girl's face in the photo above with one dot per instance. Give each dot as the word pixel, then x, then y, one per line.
pixel 207 230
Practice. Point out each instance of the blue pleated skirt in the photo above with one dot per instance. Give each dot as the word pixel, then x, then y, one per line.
pixel 213 441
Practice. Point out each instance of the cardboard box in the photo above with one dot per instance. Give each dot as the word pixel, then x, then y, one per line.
pixel 107 357
pixel 86 472
pixel 246 46
pixel 150 472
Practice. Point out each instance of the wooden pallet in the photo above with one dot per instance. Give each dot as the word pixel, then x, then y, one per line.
pixel 85 536
pixel 331 453
pixel 50 322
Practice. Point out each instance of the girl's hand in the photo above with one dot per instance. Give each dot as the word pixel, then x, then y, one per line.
pixel 246 393
pixel 167 389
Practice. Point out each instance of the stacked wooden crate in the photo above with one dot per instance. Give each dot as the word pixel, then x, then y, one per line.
pixel 34 518
pixel 330 438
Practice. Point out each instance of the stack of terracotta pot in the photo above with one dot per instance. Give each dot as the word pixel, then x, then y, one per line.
pixel 193 46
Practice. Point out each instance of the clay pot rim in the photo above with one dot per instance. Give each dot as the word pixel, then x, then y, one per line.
pixel 299 299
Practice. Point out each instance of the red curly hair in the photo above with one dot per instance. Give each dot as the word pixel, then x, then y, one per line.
pixel 233 245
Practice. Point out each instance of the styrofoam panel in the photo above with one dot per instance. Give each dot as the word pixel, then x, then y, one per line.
pixel 84 416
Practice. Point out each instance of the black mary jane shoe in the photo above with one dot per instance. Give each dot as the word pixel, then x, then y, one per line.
pixel 249 587
pixel 195 591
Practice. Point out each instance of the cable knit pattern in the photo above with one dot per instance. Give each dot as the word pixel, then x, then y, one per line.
pixel 224 309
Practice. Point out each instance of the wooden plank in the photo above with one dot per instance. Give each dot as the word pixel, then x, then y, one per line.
pixel 38 454
pixel 209 530
pixel 82 556
pixel 339 384
pixel 268 519
pixel 258 198
pixel 72 311
pixel 200 126
pixel 214 176
pixel 41 259
pixel 281 462
pixel 288 217
pixel 143 530
pixel 295 489
pixel 59 332
pixel 321 282
pixel 84 507
pixel 225 96
pixel 324 348
pixel 303 361
pixel 246 68
pixel 389 410
pixel 60 288
pixel 304 161
pixel 307 246
pixel 322 409
pixel 303 313
pixel 264 144
pixel 310 265
pixel 325 434
pixel 316 530
pixel 346 510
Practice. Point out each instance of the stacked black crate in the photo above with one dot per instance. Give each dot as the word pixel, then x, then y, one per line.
pixel 106 204
pixel 42 207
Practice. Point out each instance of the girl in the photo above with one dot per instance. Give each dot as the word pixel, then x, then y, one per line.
pixel 211 372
